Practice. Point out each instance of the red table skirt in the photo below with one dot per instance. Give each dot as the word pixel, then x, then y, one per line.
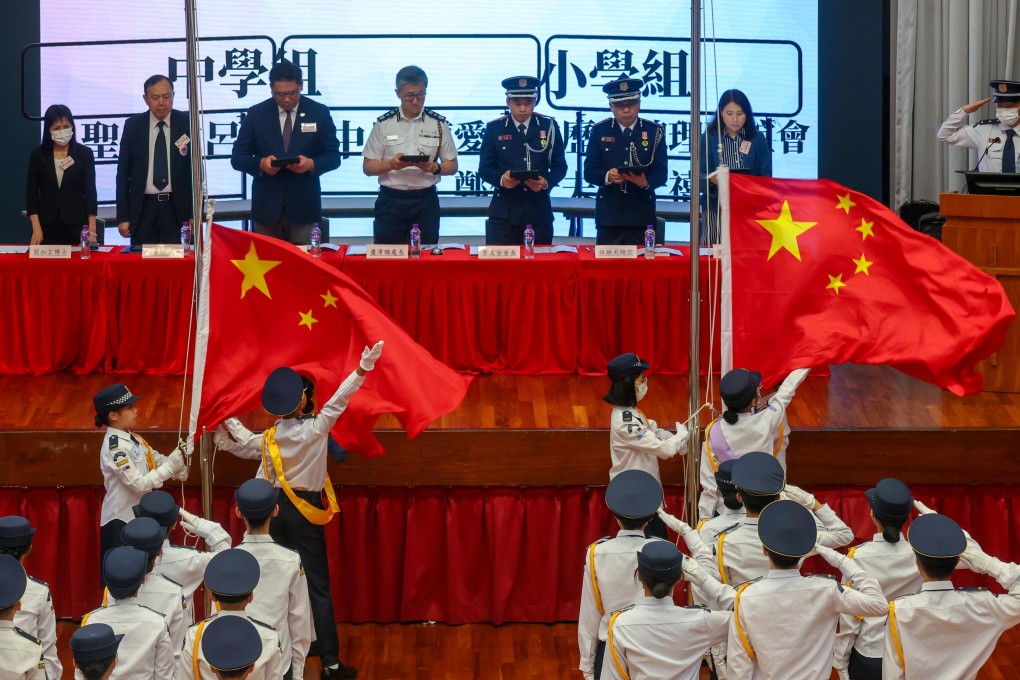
pixel 461 554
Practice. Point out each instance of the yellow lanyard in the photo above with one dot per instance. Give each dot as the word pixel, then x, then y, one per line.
pixel 271 452
pixel 150 460
pixel 194 651
pixel 612 648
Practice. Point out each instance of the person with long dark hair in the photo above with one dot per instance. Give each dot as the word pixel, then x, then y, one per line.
pixel 732 139
pixel 60 195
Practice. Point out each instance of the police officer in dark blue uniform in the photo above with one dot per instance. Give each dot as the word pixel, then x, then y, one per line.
pixel 625 204
pixel 521 141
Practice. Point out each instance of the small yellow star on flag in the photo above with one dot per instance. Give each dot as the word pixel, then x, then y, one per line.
pixel 785 231
pixel 865 229
pixel 835 283
pixel 844 203
pixel 307 319
pixel 862 265
pixel 329 300
pixel 254 271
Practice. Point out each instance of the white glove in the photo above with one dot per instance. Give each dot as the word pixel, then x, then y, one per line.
pixel 212 533
pixel 176 461
pixel 696 573
pixel 800 496
pixel 843 673
pixel 370 356
pixel 923 509
pixel 188 517
pixel 975 558
pixel 834 558
pixel 680 527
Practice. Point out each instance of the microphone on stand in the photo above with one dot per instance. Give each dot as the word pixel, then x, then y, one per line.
pixel 993 140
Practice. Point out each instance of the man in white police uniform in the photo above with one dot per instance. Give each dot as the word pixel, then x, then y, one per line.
pixel 995 139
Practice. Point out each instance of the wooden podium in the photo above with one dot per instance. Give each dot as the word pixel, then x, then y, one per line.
pixel 985 230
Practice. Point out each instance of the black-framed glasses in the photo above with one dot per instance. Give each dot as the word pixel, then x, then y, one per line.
pixel 413 96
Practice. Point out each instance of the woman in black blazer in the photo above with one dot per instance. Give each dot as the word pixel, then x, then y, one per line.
pixel 61 188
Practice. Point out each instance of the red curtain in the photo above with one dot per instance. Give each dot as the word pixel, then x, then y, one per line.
pixel 458 555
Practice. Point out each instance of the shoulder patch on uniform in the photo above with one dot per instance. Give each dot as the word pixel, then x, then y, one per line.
pixel 728 529
pixel 114 442
pixel 27 636
pixel 167 578
pixel 976 589
pixel 124 462
pixel 496 120
pixel 39 581
pixel 389 114
pixel 988 121
pixel 605 120
pixel 627 416
pixel 260 623
pixel 432 114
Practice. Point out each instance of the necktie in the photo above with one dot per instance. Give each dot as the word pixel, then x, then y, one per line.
pixel 626 134
pixel 1009 153
pixel 288 128
pixel 160 164
pixel 521 128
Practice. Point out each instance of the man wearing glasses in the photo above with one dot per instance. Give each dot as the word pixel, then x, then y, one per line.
pixel 285 143
pixel 407 192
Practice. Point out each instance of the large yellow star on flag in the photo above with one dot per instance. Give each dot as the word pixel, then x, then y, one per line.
pixel 254 271
pixel 307 319
pixel 785 231
pixel 329 300
pixel 862 265
pixel 835 282
pixel 865 229
pixel 844 203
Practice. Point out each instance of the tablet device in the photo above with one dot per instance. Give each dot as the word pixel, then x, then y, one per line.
pixel 525 174
pixel 421 158
pixel 632 169
pixel 284 162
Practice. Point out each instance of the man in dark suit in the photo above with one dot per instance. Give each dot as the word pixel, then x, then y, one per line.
pixel 526 141
pixel 625 204
pixel 286 200
pixel 154 170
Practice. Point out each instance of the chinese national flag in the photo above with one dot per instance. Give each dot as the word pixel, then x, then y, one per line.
pixel 265 303
pixel 819 274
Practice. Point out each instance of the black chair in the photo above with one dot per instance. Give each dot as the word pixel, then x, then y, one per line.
pixel 923 216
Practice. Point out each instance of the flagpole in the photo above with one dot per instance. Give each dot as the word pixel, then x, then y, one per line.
pixel 694 355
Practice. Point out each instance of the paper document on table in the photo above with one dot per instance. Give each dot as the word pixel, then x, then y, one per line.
pixel 451 246
pixel 555 249
pixel 13 250
pixel 357 250
pixel 105 249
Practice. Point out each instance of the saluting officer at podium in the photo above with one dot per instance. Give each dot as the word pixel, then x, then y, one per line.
pixel 625 204
pixel 527 142
pixel 995 138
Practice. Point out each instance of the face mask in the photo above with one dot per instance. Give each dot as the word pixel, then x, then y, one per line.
pixel 1008 117
pixel 62 136
pixel 640 390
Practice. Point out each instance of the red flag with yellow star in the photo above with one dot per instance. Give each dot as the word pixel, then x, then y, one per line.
pixel 819 274
pixel 265 304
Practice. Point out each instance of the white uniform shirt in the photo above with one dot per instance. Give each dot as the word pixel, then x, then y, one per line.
pixel 36 618
pixel 186 568
pixel 947 633
pixel 302 441
pixel 956 131
pixel 281 598
pixel 163 596
pixel 790 620
pixel 615 563
pixel 269 665
pixel 126 474
pixel 146 652
pixel 637 443
pixel 656 640
pixel 895 567
pixel 20 654
pixel 424 135
pixel 752 432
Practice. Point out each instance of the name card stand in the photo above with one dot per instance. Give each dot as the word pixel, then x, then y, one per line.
pixel 50 252
pixel 163 251
pixel 382 251
pixel 499 253
pixel 616 252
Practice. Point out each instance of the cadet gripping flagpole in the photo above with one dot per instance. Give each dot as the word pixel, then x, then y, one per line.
pixel 694 356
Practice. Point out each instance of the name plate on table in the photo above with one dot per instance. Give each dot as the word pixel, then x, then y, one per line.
pixel 499 253
pixel 165 251
pixel 616 252
pixel 50 252
pixel 382 251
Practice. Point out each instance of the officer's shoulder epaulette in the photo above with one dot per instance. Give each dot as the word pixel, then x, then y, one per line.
pixel 602 540
pixel 496 120
pixel 903 596
pixel 432 114
pixel 697 606
pixel 114 442
pixel 728 529
pixel 747 583
pixel 976 589
pixel 386 116
pixel 310 416
pixel 828 577
pixel 27 636
pixel 627 416
pixel 167 578
pixel 604 121
pixel 185 547
pixel 989 121
pixel 653 123
pixel 158 613
pixel 39 581
pixel 260 623
pixel 625 609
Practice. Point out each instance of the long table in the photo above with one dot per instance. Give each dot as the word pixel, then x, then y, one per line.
pixel 559 313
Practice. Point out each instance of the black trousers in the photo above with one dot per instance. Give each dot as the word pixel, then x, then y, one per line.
pixel 285 230
pixel 60 234
pixel 158 223
pixel 292 530
pixel 397 210
pixel 109 538
pixel 619 236
pixel 600 657
pixel 864 667
pixel 502 233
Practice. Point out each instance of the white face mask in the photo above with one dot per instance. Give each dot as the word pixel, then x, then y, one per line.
pixel 1008 117
pixel 640 390
pixel 62 136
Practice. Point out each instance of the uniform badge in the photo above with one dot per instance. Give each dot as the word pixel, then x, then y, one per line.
pixel 182 144
pixel 309 127
pixel 66 163
pixel 114 442
pixel 624 86
pixel 627 417
pixel 522 82
pixel 1003 88
pixel 609 139
pixel 644 138
pixel 505 138
pixel 745 147
pixel 122 463
pixel 541 134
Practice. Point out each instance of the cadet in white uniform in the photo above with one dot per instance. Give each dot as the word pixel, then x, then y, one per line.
pixel 21 654
pixel 232 646
pixel 231 578
pixel 994 139
pixel 407 191
pixel 942 632
pixel 654 638
pixel 744 427
pixel 94 649
pixel 281 596
pixel 146 650
pixel 35 616
pixel 889 558
pixel 129 465
pixel 784 625
pixel 293 455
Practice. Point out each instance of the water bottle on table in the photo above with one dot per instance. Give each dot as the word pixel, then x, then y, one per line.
pixel 315 236
pixel 649 242
pixel 415 241
pixel 529 243
pixel 186 236
pixel 86 243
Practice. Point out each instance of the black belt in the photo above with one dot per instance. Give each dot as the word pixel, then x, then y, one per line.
pixel 408 193
pixel 306 495
pixel 162 198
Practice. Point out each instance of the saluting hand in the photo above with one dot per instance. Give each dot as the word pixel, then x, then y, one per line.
pixel 975 105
